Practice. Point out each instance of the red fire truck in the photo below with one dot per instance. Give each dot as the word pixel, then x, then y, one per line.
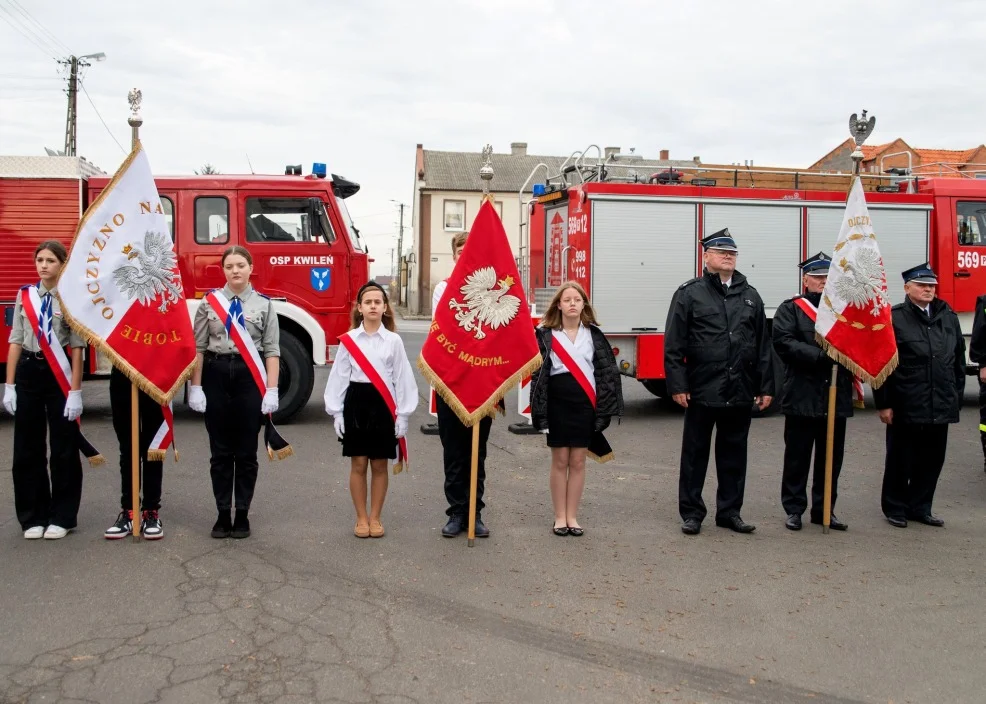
pixel 308 256
pixel 632 240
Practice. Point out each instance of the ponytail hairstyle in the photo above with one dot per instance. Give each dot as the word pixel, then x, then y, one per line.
pixel 236 249
pixel 356 318
pixel 53 246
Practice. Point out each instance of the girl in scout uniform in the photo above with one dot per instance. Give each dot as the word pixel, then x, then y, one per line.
pixel 573 396
pixel 237 340
pixel 35 396
pixel 370 394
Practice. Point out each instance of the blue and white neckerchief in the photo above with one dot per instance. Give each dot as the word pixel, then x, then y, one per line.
pixel 235 313
pixel 44 319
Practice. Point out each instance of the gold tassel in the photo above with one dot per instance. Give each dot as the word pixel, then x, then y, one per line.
pixel 398 468
pixel 96 461
pixel 156 455
pixel 604 459
pixel 284 452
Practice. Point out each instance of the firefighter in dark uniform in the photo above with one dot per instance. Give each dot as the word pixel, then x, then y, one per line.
pixel 977 355
pixel 920 398
pixel 717 360
pixel 804 400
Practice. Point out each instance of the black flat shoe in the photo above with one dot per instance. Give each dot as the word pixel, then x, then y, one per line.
pixel 834 523
pixel 223 526
pixel 897 521
pixel 577 532
pixel 691 526
pixel 559 530
pixel 929 520
pixel 793 522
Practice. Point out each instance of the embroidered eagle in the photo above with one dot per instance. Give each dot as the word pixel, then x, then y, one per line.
pixel 154 274
pixel 862 283
pixel 486 302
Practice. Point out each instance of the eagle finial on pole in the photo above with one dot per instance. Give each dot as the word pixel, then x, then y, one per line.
pixel 859 129
pixel 486 170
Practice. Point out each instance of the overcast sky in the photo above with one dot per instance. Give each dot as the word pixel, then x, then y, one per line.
pixel 358 84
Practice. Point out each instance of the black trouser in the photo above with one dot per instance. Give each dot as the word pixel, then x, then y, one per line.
pixel 232 419
pixel 150 419
pixel 801 435
pixel 41 407
pixel 982 416
pixel 915 456
pixel 732 427
pixel 457 447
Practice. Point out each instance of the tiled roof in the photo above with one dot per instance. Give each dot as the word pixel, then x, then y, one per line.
pixel 459 171
pixel 947 156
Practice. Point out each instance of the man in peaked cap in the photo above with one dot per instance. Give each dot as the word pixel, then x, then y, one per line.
pixel 804 399
pixel 920 398
pixel 717 360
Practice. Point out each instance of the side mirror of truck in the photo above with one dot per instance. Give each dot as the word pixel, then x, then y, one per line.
pixel 320 220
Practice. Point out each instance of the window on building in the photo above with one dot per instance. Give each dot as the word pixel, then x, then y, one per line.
pixel 499 208
pixel 455 215
pixel 169 214
pixel 281 220
pixel 970 218
pixel 211 220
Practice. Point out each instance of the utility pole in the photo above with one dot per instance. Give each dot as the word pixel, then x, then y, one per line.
pixel 400 254
pixel 71 118
pixel 73 92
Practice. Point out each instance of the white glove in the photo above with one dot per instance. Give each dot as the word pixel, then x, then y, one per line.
pixel 10 399
pixel 73 405
pixel 270 402
pixel 196 399
pixel 400 428
pixel 340 426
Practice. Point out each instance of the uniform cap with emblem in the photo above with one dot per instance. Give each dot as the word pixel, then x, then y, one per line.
pixel 817 265
pixel 720 240
pixel 920 274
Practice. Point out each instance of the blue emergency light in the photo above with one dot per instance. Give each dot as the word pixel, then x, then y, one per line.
pixel 538 189
pixel 319 170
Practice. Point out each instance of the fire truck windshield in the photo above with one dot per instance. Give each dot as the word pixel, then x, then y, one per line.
pixel 353 232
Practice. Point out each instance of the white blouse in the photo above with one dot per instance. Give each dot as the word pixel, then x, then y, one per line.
pixel 583 348
pixel 385 346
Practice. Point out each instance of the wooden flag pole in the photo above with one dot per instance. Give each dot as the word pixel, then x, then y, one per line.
pixel 473 481
pixel 134 460
pixel 829 444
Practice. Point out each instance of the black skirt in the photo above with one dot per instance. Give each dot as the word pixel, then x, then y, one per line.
pixel 369 425
pixel 571 417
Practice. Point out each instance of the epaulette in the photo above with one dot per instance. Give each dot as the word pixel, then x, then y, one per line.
pixel 690 282
pixel 262 295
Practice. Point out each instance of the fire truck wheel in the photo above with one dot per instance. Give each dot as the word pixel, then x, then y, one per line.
pixel 297 377
pixel 658 387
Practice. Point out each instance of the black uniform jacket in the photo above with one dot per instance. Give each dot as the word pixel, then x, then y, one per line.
pixel 807 369
pixel 609 387
pixel 977 345
pixel 716 345
pixel 927 385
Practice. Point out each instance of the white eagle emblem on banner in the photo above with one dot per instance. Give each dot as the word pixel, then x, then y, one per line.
pixel 486 302
pixel 154 273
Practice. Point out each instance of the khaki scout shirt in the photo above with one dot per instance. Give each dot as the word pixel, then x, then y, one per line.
pixel 261 323
pixel 24 334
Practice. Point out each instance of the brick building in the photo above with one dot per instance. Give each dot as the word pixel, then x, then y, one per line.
pixel 878 158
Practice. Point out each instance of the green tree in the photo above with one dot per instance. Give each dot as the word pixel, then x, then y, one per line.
pixel 207 170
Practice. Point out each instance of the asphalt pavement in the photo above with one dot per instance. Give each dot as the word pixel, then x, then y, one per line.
pixel 633 611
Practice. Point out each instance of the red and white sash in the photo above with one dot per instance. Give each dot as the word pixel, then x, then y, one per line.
pixel 374 369
pixel 57 360
pixel 276 445
pixel 809 309
pixel 164 437
pixel 580 369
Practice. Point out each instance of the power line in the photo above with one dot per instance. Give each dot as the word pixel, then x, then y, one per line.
pixel 83 87
pixel 55 41
pixel 28 33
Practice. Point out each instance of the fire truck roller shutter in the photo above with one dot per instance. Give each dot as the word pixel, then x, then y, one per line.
pixel 641 252
pixel 902 235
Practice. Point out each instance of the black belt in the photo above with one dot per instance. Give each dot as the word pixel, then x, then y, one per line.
pixel 229 356
pixel 25 354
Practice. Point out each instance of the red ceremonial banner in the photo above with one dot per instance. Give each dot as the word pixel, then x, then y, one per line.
pixel 481 342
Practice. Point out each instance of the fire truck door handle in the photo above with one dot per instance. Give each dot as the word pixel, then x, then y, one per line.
pixel 643 329
pixel 962 274
pixel 213 270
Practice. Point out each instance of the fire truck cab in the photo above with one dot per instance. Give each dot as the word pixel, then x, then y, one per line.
pixel 307 255
pixel 632 240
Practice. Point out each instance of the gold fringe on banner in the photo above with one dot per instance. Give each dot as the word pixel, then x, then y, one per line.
pixel 875 382
pixel 601 460
pixel 489 407
pixel 96 461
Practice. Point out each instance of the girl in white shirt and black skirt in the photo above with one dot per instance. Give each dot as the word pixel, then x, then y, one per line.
pixel 573 396
pixel 370 394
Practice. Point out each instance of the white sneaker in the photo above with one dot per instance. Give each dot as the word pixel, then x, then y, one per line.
pixel 34 533
pixel 55 532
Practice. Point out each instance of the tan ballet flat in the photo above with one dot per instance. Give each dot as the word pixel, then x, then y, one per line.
pixel 376 529
pixel 362 530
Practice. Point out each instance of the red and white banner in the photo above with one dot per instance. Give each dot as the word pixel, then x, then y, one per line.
pixel 61 368
pixel 372 367
pixel 121 289
pixel 853 324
